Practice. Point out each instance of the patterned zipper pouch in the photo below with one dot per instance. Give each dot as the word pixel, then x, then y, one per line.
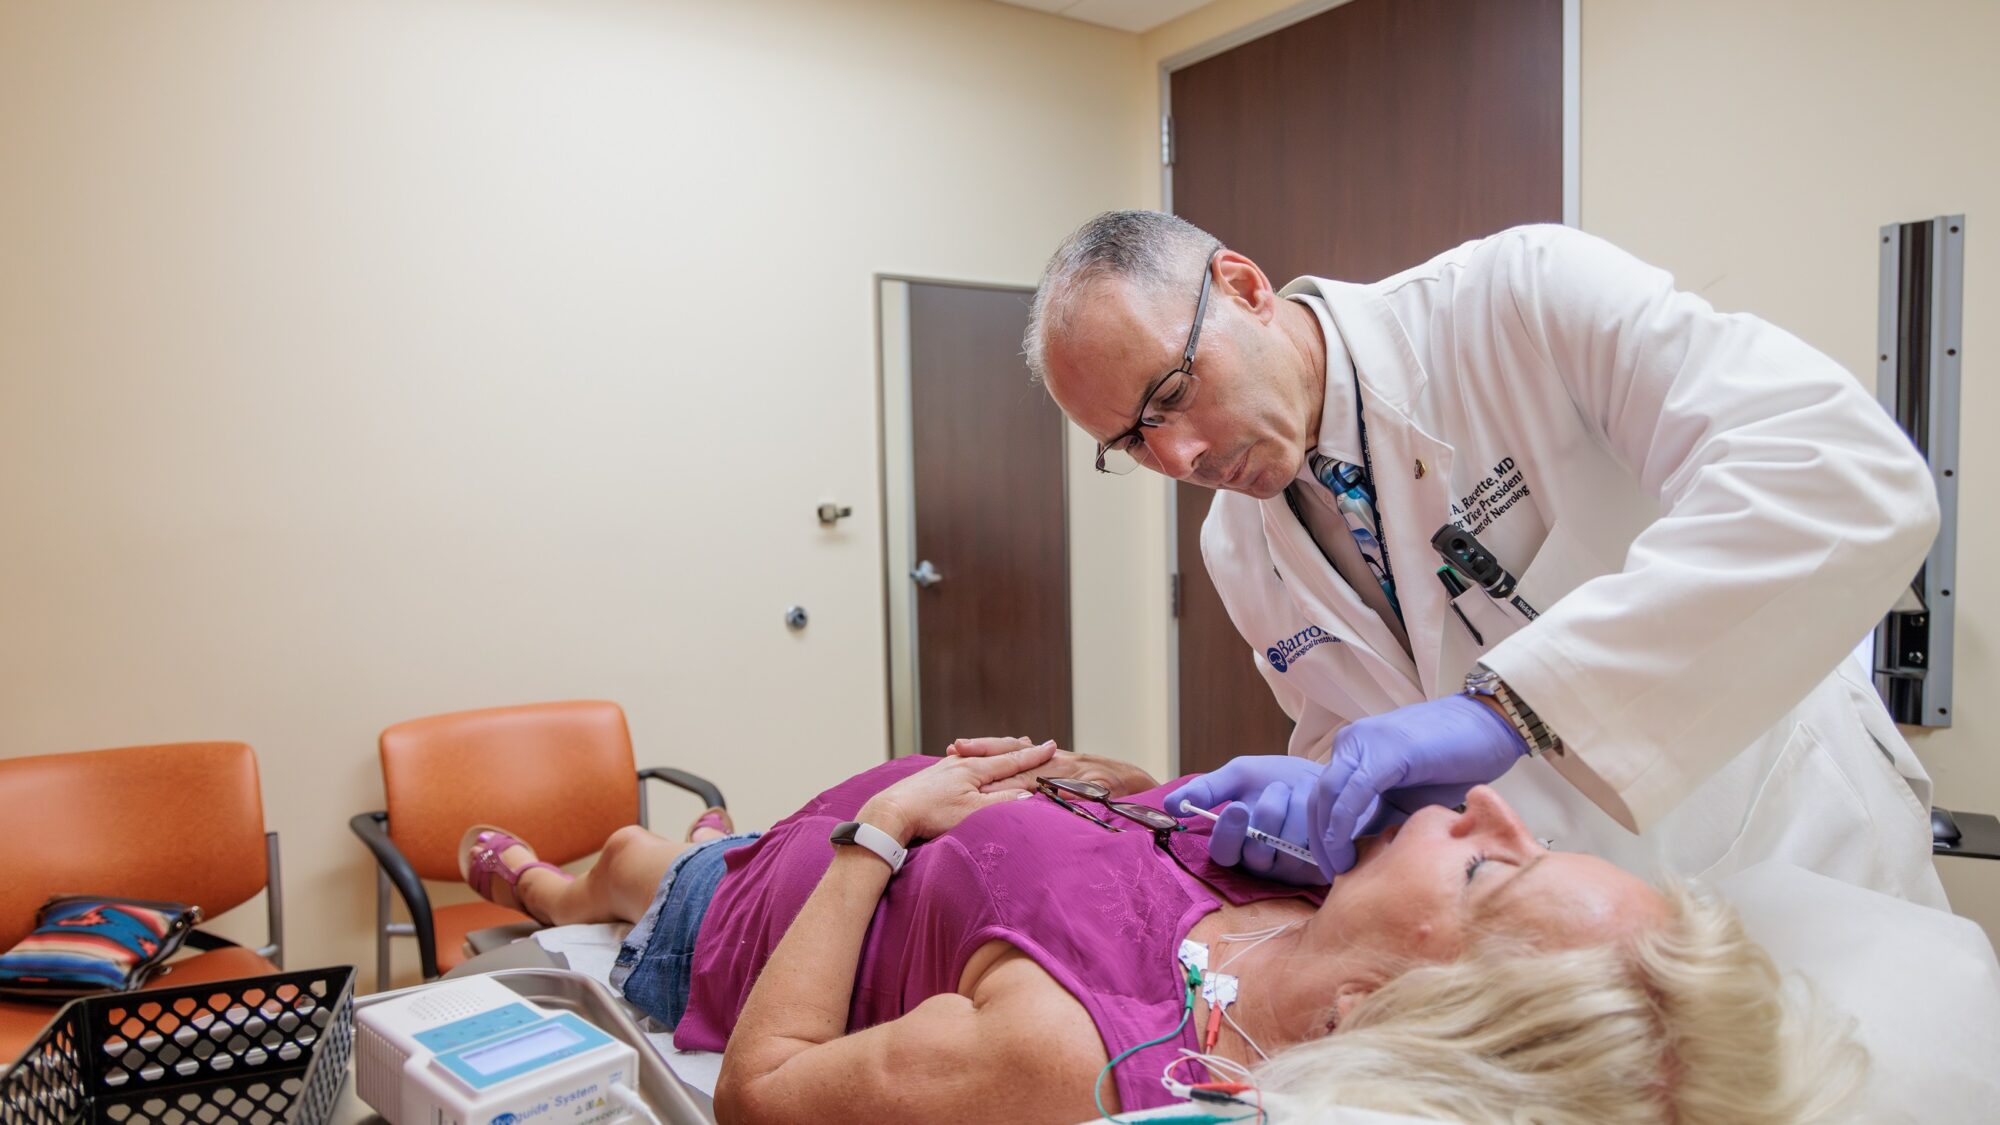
pixel 84 944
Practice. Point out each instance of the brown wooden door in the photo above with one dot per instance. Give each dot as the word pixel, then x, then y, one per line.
pixel 1350 145
pixel 993 651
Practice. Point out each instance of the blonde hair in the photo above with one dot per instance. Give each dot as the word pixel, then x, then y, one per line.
pixel 1689 1022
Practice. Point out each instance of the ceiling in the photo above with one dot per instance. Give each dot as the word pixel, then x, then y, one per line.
pixel 1125 15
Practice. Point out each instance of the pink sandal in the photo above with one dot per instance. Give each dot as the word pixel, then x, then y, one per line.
pixel 714 818
pixel 489 877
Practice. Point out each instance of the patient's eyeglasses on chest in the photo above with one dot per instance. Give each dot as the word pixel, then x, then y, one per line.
pixel 1067 792
pixel 1079 797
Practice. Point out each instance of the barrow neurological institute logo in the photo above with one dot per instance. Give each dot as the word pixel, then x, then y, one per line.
pixel 1286 653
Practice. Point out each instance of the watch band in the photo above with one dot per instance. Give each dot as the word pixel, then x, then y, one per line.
pixel 874 839
pixel 1484 681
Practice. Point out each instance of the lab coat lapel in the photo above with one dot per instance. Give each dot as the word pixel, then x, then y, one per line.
pixel 1325 600
pixel 1316 589
pixel 1412 468
pixel 1413 508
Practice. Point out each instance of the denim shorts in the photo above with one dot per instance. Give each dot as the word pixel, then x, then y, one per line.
pixel 657 958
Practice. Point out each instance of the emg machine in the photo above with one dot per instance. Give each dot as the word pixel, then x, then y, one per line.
pixel 473 1052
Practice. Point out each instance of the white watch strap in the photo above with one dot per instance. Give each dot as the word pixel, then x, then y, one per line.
pixel 882 844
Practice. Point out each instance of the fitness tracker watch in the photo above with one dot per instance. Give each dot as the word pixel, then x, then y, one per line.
pixel 1484 681
pixel 874 839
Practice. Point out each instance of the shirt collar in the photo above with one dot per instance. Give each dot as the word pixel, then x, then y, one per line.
pixel 1339 426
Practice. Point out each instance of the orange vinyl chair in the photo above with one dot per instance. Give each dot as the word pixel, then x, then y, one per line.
pixel 560 775
pixel 179 823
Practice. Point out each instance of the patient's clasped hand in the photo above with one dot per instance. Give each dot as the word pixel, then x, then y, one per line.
pixel 1024 965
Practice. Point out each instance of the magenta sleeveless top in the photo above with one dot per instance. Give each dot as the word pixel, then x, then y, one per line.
pixel 1102 912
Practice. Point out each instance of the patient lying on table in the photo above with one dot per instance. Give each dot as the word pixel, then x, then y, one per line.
pixel 1025 964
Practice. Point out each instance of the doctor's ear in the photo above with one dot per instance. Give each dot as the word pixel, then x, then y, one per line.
pixel 1237 278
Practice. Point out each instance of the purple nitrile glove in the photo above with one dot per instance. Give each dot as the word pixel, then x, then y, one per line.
pixel 1388 766
pixel 1267 791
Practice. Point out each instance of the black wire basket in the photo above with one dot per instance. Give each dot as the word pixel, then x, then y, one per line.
pixel 270 1050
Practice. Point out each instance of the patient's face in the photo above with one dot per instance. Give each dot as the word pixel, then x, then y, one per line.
pixel 1424 888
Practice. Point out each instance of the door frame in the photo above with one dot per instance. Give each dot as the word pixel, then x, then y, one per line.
pixel 1572 208
pixel 896 473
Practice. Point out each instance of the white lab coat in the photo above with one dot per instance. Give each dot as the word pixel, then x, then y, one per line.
pixel 1707 513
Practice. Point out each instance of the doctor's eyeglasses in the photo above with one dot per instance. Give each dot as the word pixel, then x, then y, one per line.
pixel 1170 393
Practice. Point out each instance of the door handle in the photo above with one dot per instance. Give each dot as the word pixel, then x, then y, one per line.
pixel 926 575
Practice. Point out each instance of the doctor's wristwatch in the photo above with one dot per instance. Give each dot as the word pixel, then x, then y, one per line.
pixel 1484 681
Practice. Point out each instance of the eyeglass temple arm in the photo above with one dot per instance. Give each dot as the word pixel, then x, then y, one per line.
pixel 1200 312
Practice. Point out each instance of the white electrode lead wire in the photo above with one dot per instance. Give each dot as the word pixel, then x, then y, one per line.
pixel 1261 937
pixel 1231 1021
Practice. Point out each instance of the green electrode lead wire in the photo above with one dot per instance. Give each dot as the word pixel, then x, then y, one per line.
pixel 1193 977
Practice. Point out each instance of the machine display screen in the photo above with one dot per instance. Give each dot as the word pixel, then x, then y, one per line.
pixel 508 1053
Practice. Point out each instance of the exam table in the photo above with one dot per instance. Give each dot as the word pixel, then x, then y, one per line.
pixel 1923 986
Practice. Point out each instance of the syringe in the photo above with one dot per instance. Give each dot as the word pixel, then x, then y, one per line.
pixel 1256 834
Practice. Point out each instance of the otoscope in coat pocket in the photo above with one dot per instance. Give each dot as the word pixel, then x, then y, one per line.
pixel 1464 554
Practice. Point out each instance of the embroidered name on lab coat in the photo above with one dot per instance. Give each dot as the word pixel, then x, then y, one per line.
pixel 1502 489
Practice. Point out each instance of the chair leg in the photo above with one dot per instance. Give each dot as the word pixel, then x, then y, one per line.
pixel 274 902
pixel 382 889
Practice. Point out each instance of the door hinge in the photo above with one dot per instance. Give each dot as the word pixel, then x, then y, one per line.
pixel 1174 595
pixel 1166 140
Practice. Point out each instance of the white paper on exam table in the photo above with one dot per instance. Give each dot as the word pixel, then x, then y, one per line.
pixel 1335 1115
pixel 592 950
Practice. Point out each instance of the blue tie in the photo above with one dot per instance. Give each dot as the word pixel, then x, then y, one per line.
pixel 1354 495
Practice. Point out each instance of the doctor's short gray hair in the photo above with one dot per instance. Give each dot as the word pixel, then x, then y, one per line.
pixel 1150 249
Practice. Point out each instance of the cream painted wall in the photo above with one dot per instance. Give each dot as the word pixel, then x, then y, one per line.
pixel 366 359
pixel 1754 150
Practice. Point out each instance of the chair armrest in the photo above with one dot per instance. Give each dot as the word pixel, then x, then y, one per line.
pixel 373 828
pixel 699 786
pixel 1973 835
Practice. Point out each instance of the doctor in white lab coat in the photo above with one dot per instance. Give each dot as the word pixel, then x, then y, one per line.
pixel 1704 516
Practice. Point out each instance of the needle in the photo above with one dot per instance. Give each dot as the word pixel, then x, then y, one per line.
pixel 1256 834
